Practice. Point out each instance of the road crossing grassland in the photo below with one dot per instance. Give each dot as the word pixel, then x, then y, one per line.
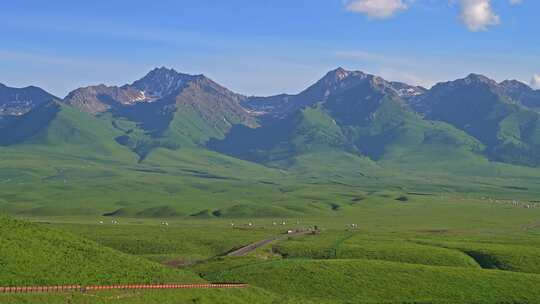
pixel 254 246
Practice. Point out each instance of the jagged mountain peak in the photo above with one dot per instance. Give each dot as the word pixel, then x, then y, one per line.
pixel 335 80
pixel 162 82
pixel 164 73
pixel 338 74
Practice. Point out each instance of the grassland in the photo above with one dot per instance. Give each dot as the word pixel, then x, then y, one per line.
pixel 175 244
pixel 33 255
pixel 365 281
pixel 40 255
pixel 417 251
pixel 357 246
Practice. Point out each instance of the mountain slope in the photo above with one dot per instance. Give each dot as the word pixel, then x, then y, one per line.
pixel 521 93
pixel 378 123
pixel 476 105
pixel 366 116
pixel 307 130
pixel 58 128
pixel 165 109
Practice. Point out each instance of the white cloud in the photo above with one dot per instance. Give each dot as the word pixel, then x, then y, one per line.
pixel 478 15
pixel 377 9
pixel 535 81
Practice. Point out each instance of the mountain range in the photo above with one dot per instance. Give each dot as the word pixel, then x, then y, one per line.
pixel 345 111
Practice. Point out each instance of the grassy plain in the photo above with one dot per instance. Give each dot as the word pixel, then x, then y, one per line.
pixel 423 250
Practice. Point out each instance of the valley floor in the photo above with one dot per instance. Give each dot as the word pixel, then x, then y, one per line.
pixel 453 252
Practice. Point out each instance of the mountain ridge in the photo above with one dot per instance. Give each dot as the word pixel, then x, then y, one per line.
pixel 350 110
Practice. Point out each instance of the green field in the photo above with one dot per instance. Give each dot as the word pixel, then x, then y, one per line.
pixel 418 251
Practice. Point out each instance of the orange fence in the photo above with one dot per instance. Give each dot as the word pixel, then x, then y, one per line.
pixel 26 289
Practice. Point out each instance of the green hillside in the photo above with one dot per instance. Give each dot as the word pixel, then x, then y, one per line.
pixel 380 126
pixel 364 281
pixel 509 130
pixel 63 130
pixel 310 130
pixel 364 120
pixel 34 255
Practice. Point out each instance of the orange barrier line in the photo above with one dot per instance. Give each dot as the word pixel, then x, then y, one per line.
pixel 26 289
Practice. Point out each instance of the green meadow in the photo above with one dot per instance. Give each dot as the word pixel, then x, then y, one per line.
pixel 422 250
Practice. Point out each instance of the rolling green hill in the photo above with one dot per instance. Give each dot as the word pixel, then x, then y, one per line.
pixel 365 281
pixel 34 255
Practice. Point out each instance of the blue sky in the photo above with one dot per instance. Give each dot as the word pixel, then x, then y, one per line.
pixel 265 47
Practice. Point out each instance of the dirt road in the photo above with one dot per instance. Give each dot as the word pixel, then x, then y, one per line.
pixel 254 246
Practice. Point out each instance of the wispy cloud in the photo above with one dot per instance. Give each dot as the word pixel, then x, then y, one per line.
pixel 376 9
